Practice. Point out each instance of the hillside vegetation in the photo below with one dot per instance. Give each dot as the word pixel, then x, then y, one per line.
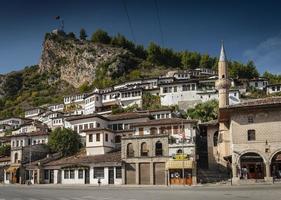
pixel 69 65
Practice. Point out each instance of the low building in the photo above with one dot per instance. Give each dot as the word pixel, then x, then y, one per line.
pixel 273 88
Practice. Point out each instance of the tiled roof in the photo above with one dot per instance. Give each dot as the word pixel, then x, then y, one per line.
pixel 78 117
pixel 211 123
pixel 82 158
pixel 129 115
pixel 34 133
pixel 5 159
pixel 165 122
pixel 258 102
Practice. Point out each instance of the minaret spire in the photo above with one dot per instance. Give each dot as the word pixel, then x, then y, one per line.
pixel 222 54
pixel 223 84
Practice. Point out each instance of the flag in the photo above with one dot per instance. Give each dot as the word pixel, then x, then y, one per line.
pixel 57 17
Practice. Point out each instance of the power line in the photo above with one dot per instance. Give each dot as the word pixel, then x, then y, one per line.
pixel 129 21
pixel 159 23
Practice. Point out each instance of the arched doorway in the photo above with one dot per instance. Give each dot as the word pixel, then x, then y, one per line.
pixel 276 166
pixel 252 166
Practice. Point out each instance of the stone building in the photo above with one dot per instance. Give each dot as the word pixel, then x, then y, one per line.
pixel 166 147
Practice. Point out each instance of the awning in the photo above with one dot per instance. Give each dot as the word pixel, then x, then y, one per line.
pixel 179 164
pixel 12 169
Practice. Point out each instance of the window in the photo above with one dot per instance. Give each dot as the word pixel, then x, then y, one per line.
pixel 85 126
pixel 179 151
pixel 185 87
pixel 91 125
pixel 16 158
pixel 170 89
pixel 21 143
pixel 80 127
pixel 120 127
pixel 144 149
pixel 13 144
pixel 140 131
pixel 278 88
pixel 176 130
pixel 71 174
pixel 17 143
pixel 29 141
pixel 165 90
pixel 75 128
pixel 175 88
pixel 158 149
pixel 130 150
pixel 98 172
pixel 106 137
pixel 90 137
pixel 97 98
pixel 118 172
pixel 117 139
pixel 98 125
pixel 80 173
pixel 46 174
pixel 273 88
pixel 215 138
pixel 250 119
pixel 153 131
pixel 66 174
pixel 193 87
pixel 251 135
pixel 98 137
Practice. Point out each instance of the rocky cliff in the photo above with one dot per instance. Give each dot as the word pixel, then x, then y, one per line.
pixel 77 61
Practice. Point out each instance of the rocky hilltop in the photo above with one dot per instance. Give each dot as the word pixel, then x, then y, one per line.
pixel 77 62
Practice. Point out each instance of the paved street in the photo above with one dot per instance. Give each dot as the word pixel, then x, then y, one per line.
pixel 49 192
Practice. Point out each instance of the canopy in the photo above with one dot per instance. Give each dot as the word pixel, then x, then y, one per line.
pixel 179 164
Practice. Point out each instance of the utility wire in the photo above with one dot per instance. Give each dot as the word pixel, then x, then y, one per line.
pixel 129 21
pixel 159 23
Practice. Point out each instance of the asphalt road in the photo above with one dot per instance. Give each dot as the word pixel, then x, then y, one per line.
pixel 52 192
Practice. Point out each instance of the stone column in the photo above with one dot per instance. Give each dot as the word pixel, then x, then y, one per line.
pixel 151 173
pixel 137 173
pixel 268 177
pixel 235 178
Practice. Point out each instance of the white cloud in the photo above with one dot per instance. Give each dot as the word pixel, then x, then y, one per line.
pixel 267 55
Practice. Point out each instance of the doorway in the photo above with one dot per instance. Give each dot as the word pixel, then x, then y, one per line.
pixel 110 175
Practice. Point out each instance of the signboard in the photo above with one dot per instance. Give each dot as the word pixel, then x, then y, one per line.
pixel 181 156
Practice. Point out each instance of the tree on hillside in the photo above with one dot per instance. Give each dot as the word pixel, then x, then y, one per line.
pixel 190 60
pixel 154 53
pixel 65 141
pixel 247 71
pixel 100 36
pixel 83 35
pixel 13 84
pixel 272 78
pixel 150 101
pixel 204 111
pixel 5 150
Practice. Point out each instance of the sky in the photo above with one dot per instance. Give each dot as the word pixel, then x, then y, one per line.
pixel 250 29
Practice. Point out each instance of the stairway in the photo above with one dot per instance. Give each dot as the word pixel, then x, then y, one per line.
pixel 211 176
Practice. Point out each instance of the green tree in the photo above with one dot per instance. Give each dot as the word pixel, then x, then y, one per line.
pixel 100 36
pixel 64 140
pixel 154 53
pixel 272 78
pixel 204 111
pixel 190 60
pixel 13 83
pixel 83 35
pixel 150 101
pixel 5 150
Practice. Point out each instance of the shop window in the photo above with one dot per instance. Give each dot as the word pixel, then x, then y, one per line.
pixel 71 174
pixel 46 174
pixel 144 149
pixel 251 135
pixel 66 174
pixel 80 173
pixel 118 172
pixel 98 172
pixel 130 150
pixel 158 149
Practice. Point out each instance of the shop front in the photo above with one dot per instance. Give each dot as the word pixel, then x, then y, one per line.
pixel 276 166
pixel 180 172
pixel 252 166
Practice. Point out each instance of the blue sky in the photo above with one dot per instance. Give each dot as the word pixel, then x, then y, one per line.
pixel 251 29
